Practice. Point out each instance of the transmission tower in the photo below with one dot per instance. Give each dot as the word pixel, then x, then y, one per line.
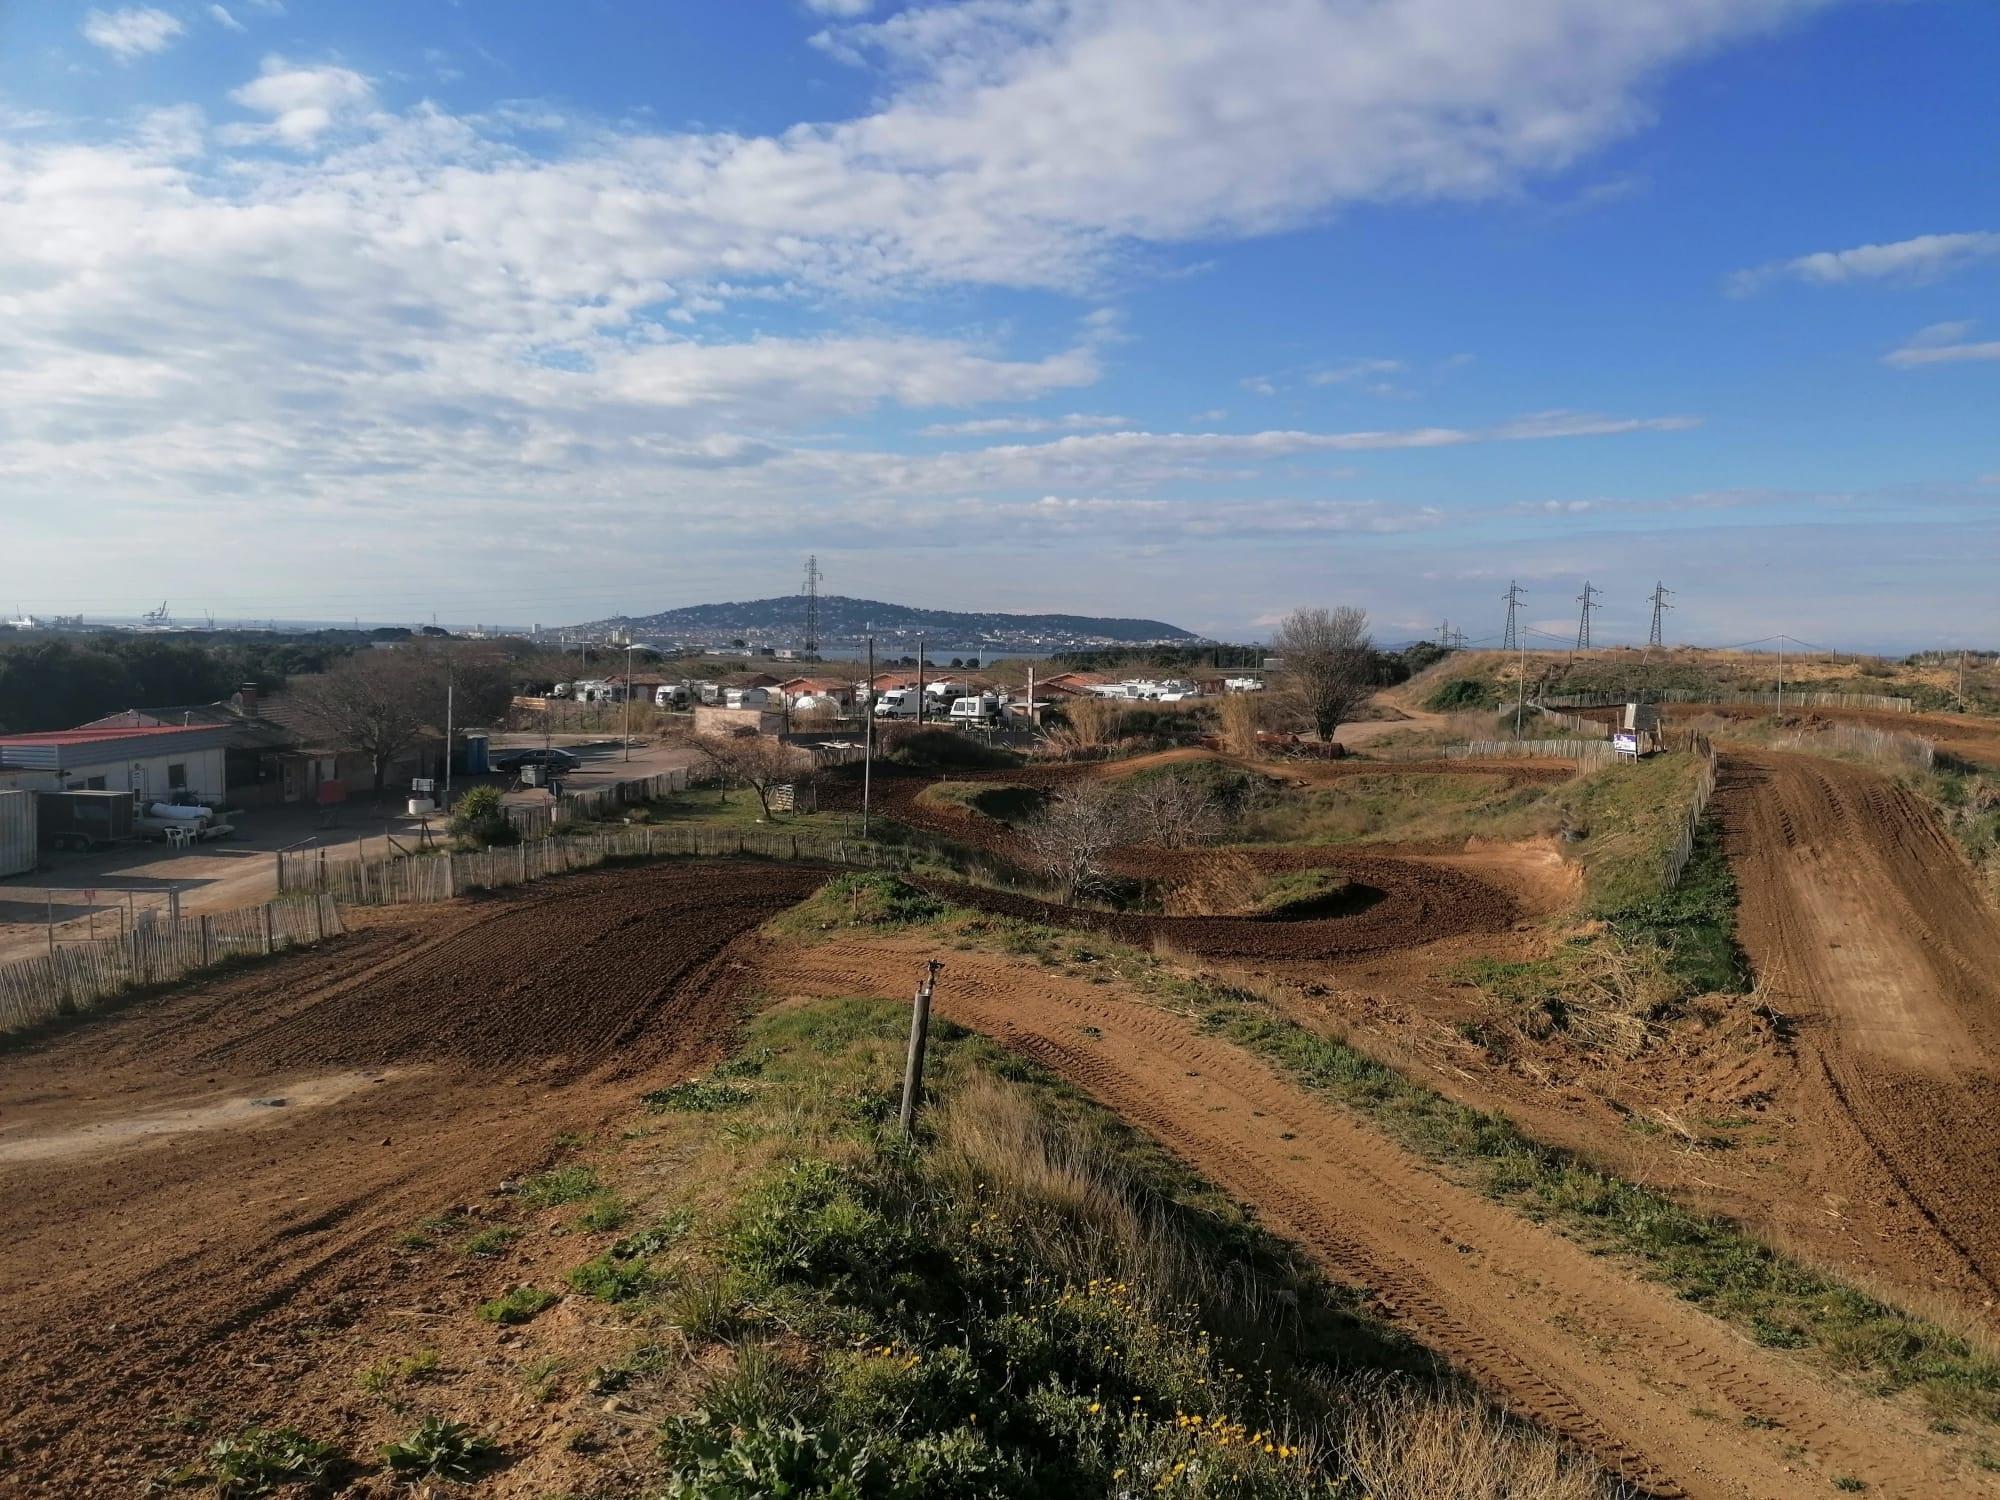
pixel 1661 594
pixel 1588 599
pixel 1512 640
pixel 810 588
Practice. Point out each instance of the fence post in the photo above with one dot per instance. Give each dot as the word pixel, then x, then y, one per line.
pixel 266 915
pixel 319 918
pixel 450 874
pixel 207 939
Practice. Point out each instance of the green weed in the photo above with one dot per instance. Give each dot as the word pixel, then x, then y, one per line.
pixel 440 1449
pixel 261 1460
pixel 559 1186
pixel 518 1306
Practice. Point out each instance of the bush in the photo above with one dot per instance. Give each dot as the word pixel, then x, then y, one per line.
pixel 479 819
pixel 940 749
pixel 868 900
pixel 1466 692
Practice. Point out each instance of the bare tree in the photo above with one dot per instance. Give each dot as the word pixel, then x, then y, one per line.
pixel 752 760
pixel 1173 811
pixel 373 703
pixel 1069 838
pixel 1329 663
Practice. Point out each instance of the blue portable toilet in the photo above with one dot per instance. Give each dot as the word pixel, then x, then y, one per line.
pixel 473 758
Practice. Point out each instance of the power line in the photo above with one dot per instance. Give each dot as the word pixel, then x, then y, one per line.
pixel 811 591
pixel 1661 594
pixel 1511 639
pixel 1588 600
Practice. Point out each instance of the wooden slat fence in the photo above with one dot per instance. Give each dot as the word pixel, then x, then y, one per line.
pixel 1792 699
pixel 1583 752
pixel 1682 849
pixel 78 976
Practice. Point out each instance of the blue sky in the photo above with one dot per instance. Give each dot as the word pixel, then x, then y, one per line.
pixel 1197 310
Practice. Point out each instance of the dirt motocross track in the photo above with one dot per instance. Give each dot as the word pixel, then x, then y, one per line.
pixel 1654 1389
pixel 234 1160
pixel 1863 923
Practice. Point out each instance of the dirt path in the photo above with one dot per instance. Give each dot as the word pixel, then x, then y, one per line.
pixel 169 1243
pixel 1656 1390
pixel 1863 923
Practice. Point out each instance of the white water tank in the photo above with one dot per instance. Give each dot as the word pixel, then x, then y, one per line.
pixel 419 806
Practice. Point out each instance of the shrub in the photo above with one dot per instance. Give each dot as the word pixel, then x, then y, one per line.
pixel 1466 692
pixel 940 749
pixel 869 900
pixel 480 819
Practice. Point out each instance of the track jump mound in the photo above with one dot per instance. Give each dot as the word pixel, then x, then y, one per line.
pixel 1390 904
pixel 568 975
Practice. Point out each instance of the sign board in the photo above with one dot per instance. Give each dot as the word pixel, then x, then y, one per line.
pixel 1625 742
pixel 423 784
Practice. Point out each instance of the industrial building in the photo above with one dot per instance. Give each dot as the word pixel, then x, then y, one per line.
pixel 160 763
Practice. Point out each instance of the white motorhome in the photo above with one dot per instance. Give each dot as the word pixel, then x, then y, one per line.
pixel 670 695
pixel 982 708
pixel 897 703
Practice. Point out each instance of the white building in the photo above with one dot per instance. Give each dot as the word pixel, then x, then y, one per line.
pixel 155 764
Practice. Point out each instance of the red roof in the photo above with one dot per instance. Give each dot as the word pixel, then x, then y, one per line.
pixel 101 736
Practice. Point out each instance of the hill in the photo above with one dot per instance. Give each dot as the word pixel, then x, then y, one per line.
pixel 782 620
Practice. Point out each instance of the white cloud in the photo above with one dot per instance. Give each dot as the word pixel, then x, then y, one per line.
pixel 224 18
pixel 1347 372
pixel 1924 258
pixel 303 102
pixel 1002 426
pixel 130 33
pixel 843 9
pixel 1941 344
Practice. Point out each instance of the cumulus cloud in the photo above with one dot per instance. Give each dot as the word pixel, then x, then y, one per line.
pixel 843 9
pixel 303 102
pixel 222 17
pixel 1075 421
pixel 1924 258
pixel 130 33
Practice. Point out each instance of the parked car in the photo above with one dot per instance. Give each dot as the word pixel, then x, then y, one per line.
pixel 554 760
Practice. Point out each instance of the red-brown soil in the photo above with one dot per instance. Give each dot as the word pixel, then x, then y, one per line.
pixel 1968 737
pixel 149 1276
pixel 1866 930
pixel 1656 1390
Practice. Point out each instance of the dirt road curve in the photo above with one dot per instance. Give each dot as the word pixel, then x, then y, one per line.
pixel 1861 919
pixel 187 1187
pixel 1658 1391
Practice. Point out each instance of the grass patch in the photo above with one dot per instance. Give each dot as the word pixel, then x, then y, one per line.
pixel 861 899
pixel 1034 1300
pixel 489 1243
pixel 698 1096
pixel 561 1185
pixel 385 1375
pixel 521 1305
pixel 1694 924
pixel 1403 806
pixel 1300 893
pixel 1002 801
pixel 606 1214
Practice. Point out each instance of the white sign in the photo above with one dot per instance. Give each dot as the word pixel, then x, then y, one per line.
pixel 1625 742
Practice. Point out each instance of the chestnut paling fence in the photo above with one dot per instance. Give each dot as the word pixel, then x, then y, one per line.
pixel 77 976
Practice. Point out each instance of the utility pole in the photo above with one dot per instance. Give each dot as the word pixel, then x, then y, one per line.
pixel 1511 641
pixel 1961 679
pixel 920 682
pixel 450 690
pixel 1781 673
pixel 629 647
pixel 1655 636
pixel 1521 688
pixel 868 741
pixel 811 590
pixel 1588 600
pixel 920 1029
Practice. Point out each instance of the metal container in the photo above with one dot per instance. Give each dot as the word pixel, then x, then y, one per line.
pixel 83 820
pixel 19 847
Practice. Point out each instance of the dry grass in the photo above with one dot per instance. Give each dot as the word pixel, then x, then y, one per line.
pixel 1422 1446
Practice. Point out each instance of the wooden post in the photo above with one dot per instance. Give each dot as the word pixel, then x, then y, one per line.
pixel 319 917
pixel 207 940
pixel 266 913
pixel 920 1030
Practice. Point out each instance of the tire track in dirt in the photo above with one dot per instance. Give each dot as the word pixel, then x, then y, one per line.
pixel 142 1281
pixel 1617 1366
pixel 1863 922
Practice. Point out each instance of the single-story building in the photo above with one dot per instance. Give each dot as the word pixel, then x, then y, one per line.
pixel 832 688
pixel 1075 684
pixel 156 763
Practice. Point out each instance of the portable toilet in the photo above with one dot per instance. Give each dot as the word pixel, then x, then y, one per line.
pixel 473 759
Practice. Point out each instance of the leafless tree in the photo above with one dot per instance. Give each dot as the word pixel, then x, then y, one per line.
pixel 373 703
pixel 752 760
pixel 1069 838
pixel 1329 663
pixel 1173 811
